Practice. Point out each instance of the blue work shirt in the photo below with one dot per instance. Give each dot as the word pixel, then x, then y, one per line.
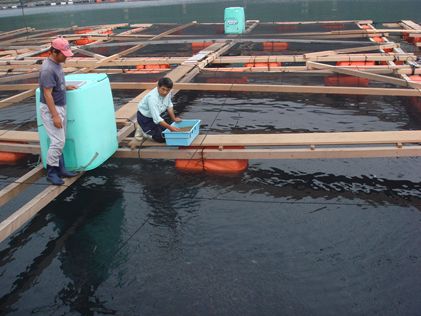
pixel 52 76
pixel 153 105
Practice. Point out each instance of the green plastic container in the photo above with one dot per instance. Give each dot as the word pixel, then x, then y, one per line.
pixel 91 135
pixel 234 20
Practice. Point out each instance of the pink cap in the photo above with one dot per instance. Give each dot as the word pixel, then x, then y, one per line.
pixel 62 45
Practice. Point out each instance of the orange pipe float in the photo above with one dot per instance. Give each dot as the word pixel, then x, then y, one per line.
pixel 220 166
pixel 9 158
pixel 262 64
pixel 275 46
pixel 346 81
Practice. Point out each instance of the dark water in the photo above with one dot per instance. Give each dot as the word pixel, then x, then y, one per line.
pixel 286 237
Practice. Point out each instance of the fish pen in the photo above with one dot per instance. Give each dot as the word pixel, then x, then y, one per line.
pixel 321 94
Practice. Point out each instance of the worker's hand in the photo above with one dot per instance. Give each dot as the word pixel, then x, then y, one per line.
pixel 71 87
pixel 177 119
pixel 174 129
pixel 57 122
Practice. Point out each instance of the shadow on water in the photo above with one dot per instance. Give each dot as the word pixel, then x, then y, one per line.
pixel 85 234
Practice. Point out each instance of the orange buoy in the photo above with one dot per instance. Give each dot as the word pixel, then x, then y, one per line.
pixel 198 46
pixel 108 32
pixel 346 81
pixel 8 158
pixel 378 39
pixel 262 64
pixel 409 39
pixel 84 41
pixel 221 166
pixel 84 31
pixel 415 78
pixel 225 166
pixel 355 63
pixel 44 54
pixel 333 26
pixel 153 66
pixel 275 46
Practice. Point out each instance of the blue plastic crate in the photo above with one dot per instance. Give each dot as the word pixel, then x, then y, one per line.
pixel 182 138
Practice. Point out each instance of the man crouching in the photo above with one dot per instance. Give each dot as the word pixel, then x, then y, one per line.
pixel 152 106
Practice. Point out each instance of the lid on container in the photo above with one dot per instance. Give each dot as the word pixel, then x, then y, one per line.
pixel 85 77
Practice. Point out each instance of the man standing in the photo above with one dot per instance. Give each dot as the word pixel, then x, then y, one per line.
pixel 151 108
pixel 53 108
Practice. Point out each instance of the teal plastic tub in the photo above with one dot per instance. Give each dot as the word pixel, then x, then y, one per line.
pixel 182 138
pixel 234 20
pixel 91 135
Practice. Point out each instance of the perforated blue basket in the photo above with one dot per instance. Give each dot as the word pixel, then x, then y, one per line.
pixel 182 138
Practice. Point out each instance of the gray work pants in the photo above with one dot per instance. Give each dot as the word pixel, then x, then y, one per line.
pixel 57 135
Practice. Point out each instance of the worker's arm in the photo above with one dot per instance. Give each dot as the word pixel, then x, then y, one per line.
pixel 71 87
pixel 171 128
pixel 171 114
pixel 52 107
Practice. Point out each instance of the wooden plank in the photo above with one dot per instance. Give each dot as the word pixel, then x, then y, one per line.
pixel 17 77
pixel 351 50
pixel 316 153
pixel 275 89
pixel 30 209
pixel 13 189
pixel 16 98
pixel 248 88
pixel 302 58
pixel 363 74
pixel 280 139
pixel 411 24
pixel 18 136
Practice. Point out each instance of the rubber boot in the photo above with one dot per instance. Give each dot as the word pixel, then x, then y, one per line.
pixel 62 170
pixel 53 176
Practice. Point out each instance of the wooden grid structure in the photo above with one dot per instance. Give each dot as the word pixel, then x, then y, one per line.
pixel 21 57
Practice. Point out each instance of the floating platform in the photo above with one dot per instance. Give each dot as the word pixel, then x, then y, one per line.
pixel 327 57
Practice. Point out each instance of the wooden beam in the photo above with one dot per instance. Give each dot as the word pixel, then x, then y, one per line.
pixel 351 50
pixel 30 209
pixel 16 98
pixel 280 139
pixel 13 189
pixel 273 153
pixel 363 74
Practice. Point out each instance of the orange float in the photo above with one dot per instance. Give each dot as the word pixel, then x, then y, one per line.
pixel 378 39
pixel 346 81
pixel 355 63
pixel 263 64
pixel 8 158
pixel 84 31
pixel 275 46
pixel 222 166
pixel 410 39
pixel 198 46
pixel 153 66
pixel 44 54
pixel 84 41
